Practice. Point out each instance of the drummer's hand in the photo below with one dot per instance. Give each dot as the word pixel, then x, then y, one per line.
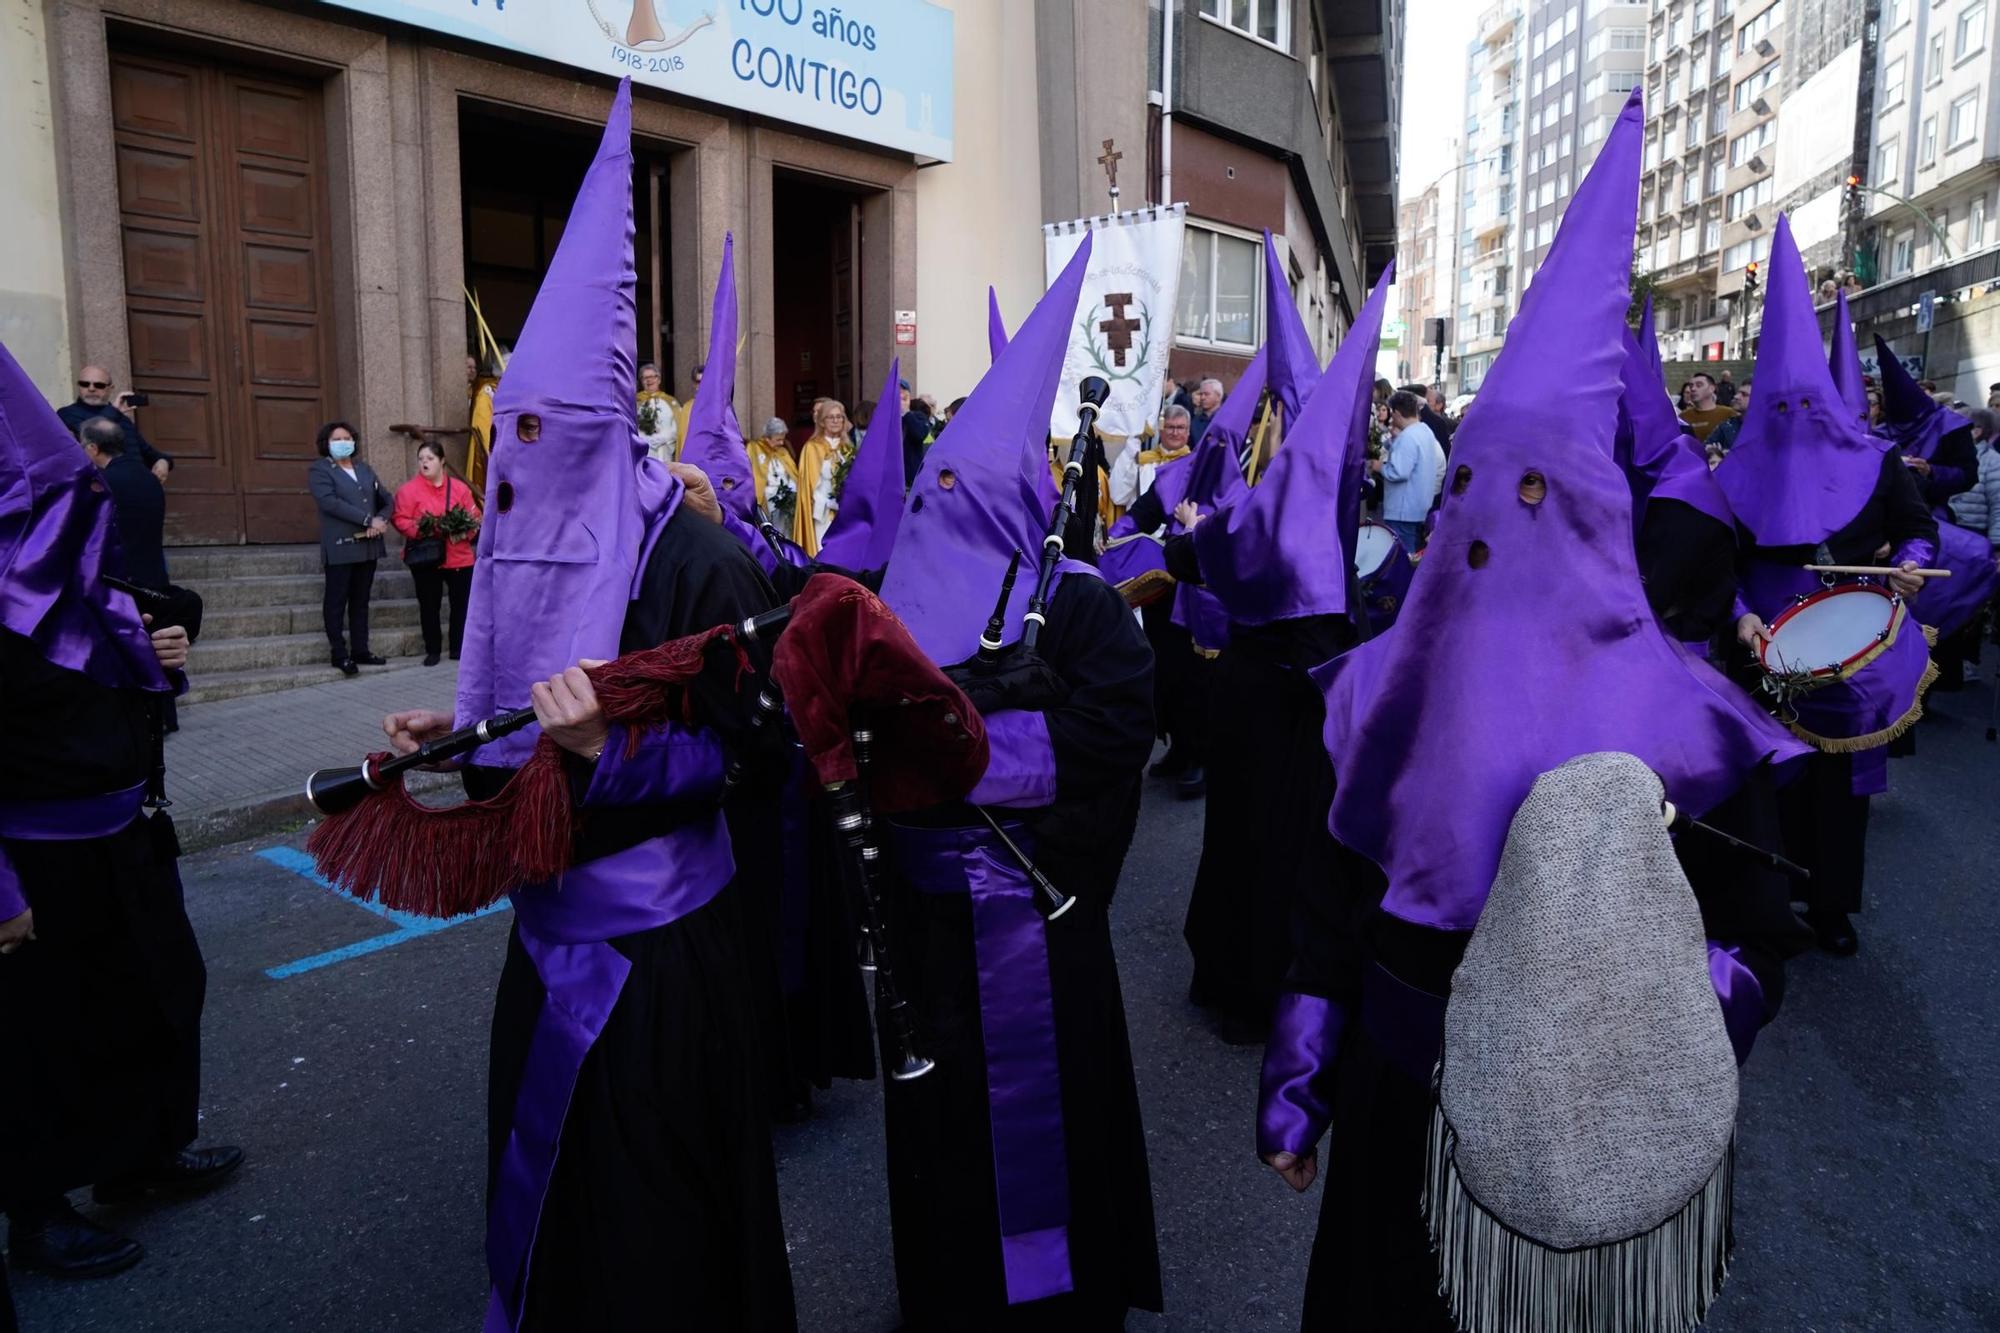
pixel 408 731
pixel 170 645
pixel 1298 1172
pixel 16 931
pixel 1882 552
pixel 697 494
pixel 1905 580
pixel 1750 631
pixel 1187 514
pixel 566 706
pixel 1920 466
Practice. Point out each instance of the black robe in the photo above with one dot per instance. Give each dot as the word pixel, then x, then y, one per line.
pixel 941 1185
pixel 1270 784
pixel 101 1040
pixel 1182 676
pixel 663 1209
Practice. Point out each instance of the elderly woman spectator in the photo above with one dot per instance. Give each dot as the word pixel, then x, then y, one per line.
pixel 659 415
pixel 354 510
pixel 438 515
pixel 799 484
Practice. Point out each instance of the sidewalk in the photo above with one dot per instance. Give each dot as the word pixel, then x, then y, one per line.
pixel 238 767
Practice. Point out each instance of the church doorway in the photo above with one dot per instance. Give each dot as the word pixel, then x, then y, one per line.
pixel 518 176
pixel 816 280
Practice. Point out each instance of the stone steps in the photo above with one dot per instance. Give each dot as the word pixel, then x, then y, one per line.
pixel 217 686
pixel 261 624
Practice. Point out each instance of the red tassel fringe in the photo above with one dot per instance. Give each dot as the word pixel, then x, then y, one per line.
pixel 449 861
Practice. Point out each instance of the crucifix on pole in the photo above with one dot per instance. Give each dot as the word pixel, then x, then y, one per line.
pixel 1109 161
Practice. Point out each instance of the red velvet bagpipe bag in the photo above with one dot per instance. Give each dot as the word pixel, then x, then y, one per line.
pixel 843 658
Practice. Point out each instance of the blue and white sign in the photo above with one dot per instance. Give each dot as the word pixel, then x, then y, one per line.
pixel 875 70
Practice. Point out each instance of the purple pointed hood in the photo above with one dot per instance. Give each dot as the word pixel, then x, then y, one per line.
pixel 1293 368
pixel 871 502
pixel 1278 551
pixel 1498 669
pixel 715 439
pixel 1844 360
pixel 996 332
pixel 1649 343
pixel 57 542
pixel 979 496
pixel 1911 418
pixel 1661 460
pixel 1802 467
pixel 573 503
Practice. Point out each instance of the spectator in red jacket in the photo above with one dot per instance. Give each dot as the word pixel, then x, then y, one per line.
pixel 438 544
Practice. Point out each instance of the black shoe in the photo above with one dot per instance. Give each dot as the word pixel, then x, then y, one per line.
pixel 1193 783
pixel 1171 765
pixel 369 659
pixel 1835 933
pixel 454 654
pixel 430 659
pixel 67 1244
pixel 188 1171
pixel 347 667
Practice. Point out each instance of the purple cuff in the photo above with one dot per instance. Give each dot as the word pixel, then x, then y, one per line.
pixel 13 899
pixel 658 765
pixel 1022 771
pixel 1295 1101
pixel 1917 549
pixel 1740 994
pixel 1738 608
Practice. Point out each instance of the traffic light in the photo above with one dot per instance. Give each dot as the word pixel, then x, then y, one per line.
pixel 1750 276
pixel 1853 188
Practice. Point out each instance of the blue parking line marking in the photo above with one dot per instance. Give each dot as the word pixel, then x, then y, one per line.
pixel 409 926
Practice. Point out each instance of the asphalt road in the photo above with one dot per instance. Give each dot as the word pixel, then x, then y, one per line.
pixel 355 1081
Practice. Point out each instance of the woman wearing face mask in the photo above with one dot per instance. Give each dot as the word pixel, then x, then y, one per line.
pixel 354 510
pixel 438 547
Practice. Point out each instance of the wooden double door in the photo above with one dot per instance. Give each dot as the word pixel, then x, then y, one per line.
pixel 223 215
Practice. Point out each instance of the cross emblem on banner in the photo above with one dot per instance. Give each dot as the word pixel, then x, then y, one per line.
pixel 1109 161
pixel 1118 330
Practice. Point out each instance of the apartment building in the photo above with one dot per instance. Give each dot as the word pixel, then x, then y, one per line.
pixel 1487 210
pixel 1544 80
pixel 1936 138
pixel 1422 286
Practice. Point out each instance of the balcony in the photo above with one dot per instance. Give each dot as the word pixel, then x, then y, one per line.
pixel 1496 25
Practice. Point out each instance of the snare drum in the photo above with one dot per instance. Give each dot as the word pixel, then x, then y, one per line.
pixel 1833 634
pixel 1373 546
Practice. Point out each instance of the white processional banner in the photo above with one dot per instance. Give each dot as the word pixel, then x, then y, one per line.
pixel 1124 325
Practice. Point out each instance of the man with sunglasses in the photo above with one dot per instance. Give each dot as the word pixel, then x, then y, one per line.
pixel 93 400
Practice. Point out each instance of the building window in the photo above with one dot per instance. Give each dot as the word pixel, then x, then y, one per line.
pixel 1895 13
pixel 1741 253
pixel 1889 162
pixel 1266 20
pixel 1963 127
pixel 1892 82
pixel 1927 143
pixel 1753 87
pixel 1711 234
pixel 1975 223
pixel 1971 30
pixel 1745 146
pixel 1934 63
pixel 1902 254
pixel 1718 114
pixel 1760 27
pixel 1715 174
pixel 1747 198
pixel 1220 289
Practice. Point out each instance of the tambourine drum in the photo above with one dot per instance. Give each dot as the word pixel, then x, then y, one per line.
pixel 1833 634
pixel 1373 546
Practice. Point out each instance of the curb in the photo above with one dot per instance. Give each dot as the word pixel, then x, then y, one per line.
pixel 278 812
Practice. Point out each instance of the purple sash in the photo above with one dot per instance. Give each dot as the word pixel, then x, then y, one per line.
pixel 566 927
pixel 1018 1021
pixel 71 819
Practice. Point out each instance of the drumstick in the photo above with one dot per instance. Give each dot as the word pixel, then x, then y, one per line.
pixel 1879 570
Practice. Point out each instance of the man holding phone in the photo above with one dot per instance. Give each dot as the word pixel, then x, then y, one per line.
pixel 94 399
